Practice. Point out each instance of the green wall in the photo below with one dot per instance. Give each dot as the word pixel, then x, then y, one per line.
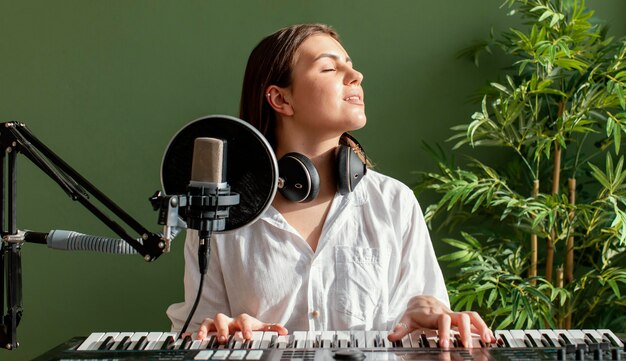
pixel 106 84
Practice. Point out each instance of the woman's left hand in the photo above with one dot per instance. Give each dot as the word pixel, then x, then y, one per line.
pixel 426 312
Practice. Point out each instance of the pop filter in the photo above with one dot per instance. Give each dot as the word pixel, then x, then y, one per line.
pixel 250 162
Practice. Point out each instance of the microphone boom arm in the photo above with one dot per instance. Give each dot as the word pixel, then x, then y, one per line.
pixel 16 138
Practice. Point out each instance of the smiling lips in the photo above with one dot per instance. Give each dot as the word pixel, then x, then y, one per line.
pixel 354 99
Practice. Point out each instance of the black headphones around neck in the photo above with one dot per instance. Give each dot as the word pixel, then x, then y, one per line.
pixel 299 180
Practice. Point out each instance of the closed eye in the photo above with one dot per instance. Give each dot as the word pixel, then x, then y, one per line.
pixel 328 70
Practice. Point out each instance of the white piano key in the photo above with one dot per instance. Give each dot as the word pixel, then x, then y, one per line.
pixel 406 341
pixel 343 339
pixel 550 334
pixel 520 338
pixel 371 339
pixel 257 337
pixel 611 337
pixel 203 355
pixel 358 339
pixel 565 337
pixel 90 342
pixel 163 339
pixel 384 339
pixel 254 355
pixel 153 339
pixel 119 339
pixel 299 339
pixel 415 339
pixel 507 338
pixel 282 341
pixel 266 339
pixel 237 355
pixel 106 338
pixel 312 339
pixel 327 339
pixel 578 337
pixel 220 355
pixel 196 345
pixel 535 335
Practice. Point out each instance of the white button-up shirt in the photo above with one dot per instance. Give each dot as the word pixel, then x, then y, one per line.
pixel 373 255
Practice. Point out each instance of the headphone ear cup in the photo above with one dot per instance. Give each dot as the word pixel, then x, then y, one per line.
pixel 299 177
pixel 350 169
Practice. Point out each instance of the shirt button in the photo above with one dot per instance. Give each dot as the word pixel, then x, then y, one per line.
pixel 315 314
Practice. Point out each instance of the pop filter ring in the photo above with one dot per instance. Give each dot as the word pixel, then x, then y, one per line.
pixel 251 166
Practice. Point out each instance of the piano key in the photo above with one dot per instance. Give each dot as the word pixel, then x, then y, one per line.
pixel 508 339
pixel 90 342
pixel 282 341
pixel 185 343
pixel 254 355
pixel 312 339
pixel 612 338
pixel 266 339
pixel 358 339
pixel 430 338
pixel 155 340
pixel 520 338
pixel 237 355
pixel 238 342
pixel 566 340
pixel 327 339
pixel 203 355
pixel 405 342
pixel 122 341
pixel 595 337
pixel 343 339
pixel 578 337
pixel 107 341
pixel 534 336
pixel 384 338
pixel 371 339
pixel 220 355
pixel 299 339
pixel 132 341
pixel 196 345
pixel 168 343
pixel 415 339
pixel 550 338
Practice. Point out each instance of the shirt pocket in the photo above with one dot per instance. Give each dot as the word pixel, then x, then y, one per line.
pixel 358 281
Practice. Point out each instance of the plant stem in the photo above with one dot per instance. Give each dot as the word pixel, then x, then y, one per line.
pixel 532 271
pixel 556 173
pixel 569 247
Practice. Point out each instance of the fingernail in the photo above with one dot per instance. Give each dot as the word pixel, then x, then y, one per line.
pixel 247 335
pixel 445 343
pixel 222 339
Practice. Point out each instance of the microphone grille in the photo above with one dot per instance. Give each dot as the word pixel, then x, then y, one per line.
pixel 208 160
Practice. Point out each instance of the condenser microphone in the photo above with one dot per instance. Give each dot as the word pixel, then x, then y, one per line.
pixel 208 193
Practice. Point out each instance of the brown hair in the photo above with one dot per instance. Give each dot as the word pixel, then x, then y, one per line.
pixel 270 63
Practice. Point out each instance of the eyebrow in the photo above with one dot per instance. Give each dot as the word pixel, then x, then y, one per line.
pixel 332 56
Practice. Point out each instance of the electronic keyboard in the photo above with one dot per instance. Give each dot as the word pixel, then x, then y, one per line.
pixel 540 344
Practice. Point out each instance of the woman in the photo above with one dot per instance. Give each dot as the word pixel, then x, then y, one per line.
pixel 361 260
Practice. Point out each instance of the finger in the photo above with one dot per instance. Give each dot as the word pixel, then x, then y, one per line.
pixel 462 321
pixel 206 326
pixel 245 323
pixel 482 329
pixel 444 322
pixel 399 331
pixel 222 323
pixel 276 327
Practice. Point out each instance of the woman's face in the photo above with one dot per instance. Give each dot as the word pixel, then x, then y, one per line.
pixel 325 94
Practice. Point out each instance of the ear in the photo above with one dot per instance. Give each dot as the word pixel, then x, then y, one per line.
pixel 277 99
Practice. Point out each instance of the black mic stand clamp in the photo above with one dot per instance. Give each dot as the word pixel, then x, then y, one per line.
pixel 16 138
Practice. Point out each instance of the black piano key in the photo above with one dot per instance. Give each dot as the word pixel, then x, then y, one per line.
pixel 504 341
pixel 107 343
pixel 212 342
pixel 230 343
pixel 291 342
pixel 141 343
pixel 168 344
pixel 602 344
pixel 425 343
pixel 123 345
pixel 547 341
pixel 273 341
pixel 186 343
pixel 530 341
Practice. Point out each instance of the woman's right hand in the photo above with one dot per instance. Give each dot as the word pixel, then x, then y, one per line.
pixel 245 323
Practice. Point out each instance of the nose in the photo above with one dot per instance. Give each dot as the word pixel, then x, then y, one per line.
pixel 354 77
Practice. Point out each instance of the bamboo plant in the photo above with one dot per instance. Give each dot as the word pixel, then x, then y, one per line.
pixel 539 240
